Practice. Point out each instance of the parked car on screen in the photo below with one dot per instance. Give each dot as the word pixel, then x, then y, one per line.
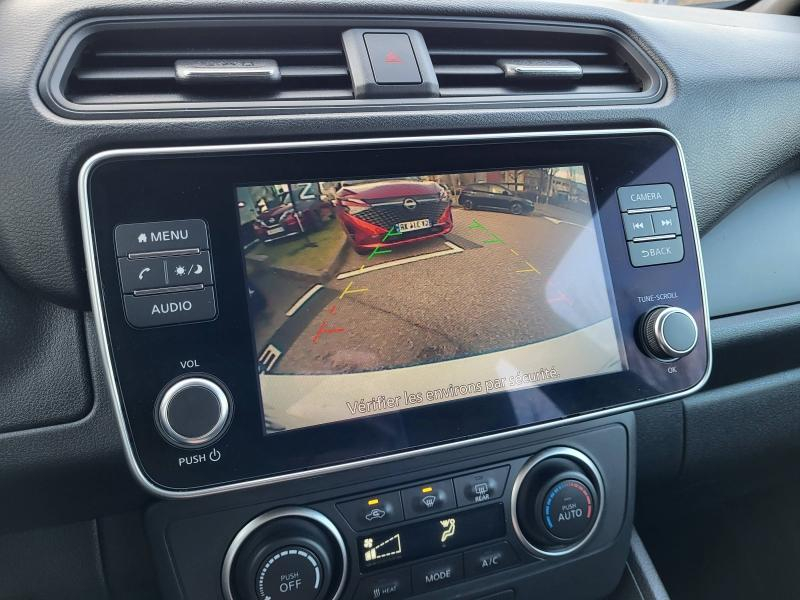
pixel 494 196
pixel 285 218
pixel 392 212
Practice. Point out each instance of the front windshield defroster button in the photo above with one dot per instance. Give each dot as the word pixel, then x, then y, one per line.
pixel 429 498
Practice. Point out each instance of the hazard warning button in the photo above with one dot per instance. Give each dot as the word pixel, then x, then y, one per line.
pixel 392 58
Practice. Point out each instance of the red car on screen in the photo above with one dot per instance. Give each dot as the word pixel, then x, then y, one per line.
pixel 392 212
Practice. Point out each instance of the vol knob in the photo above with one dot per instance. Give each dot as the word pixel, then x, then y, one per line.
pixel 668 333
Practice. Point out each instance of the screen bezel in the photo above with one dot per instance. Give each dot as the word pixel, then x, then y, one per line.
pixel 614 158
pixel 600 250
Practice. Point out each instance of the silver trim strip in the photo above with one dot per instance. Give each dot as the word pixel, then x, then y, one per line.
pixel 655 238
pixel 166 290
pixel 97 304
pixel 162 253
pixel 539 458
pixel 280 513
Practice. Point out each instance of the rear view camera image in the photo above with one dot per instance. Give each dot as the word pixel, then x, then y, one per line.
pixel 373 296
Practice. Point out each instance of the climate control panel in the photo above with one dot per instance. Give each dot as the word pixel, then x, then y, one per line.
pixel 428 536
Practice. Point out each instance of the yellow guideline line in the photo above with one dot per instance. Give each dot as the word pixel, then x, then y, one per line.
pixel 347 290
pixel 532 269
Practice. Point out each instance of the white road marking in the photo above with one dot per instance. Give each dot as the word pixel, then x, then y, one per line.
pixel 303 299
pixel 402 261
pixel 559 221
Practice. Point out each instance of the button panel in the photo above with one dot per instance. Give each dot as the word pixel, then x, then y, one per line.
pixel 165 272
pixel 651 223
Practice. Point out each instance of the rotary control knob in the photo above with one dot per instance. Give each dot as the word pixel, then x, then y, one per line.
pixel 287 554
pixel 192 412
pixel 668 333
pixel 557 501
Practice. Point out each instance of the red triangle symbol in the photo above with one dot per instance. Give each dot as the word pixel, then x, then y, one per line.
pixel 392 58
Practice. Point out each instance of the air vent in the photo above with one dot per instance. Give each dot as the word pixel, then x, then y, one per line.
pixel 146 67
pixel 126 67
pixel 519 62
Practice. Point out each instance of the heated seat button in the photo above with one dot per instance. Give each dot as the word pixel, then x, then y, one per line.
pixel 389 586
pixel 372 511
pixel 392 58
pixel 481 487
pixel 437 574
pixel 488 560
pixel 428 498
pixel 171 308
pixel 160 236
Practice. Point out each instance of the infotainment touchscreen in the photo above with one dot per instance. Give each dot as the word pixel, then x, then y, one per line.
pixel 370 296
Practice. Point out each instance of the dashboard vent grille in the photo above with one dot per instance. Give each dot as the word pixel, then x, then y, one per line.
pixel 142 67
pixel 508 62
pixel 126 67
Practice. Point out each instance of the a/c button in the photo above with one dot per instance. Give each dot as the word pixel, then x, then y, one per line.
pixel 171 308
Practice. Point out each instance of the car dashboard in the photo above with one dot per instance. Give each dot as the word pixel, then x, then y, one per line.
pixel 347 300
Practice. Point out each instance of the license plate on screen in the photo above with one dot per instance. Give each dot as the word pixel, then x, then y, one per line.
pixel 413 225
pixel 275 231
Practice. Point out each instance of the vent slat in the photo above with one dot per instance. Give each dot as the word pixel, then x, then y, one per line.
pixel 454 92
pixel 218 53
pixel 497 53
pixel 168 73
pixel 282 96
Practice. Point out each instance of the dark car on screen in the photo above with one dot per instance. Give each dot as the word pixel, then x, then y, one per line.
pixel 494 196
pixel 284 218
pixel 392 212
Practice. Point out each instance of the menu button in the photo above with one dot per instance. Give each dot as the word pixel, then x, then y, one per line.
pixel 160 236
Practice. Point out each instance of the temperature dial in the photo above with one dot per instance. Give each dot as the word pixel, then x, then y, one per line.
pixel 286 554
pixel 293 572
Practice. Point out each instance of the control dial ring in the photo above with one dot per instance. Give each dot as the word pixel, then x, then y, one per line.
pixel 587 480
pixel 315 558
pixel 192 412
pixel 668 333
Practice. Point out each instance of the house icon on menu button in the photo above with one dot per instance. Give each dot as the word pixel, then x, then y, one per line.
pixel 142 238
